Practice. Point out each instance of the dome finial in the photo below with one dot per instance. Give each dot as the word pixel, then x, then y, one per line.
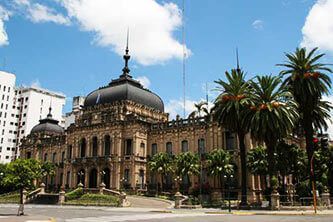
pixel 126 57
pixel 50 110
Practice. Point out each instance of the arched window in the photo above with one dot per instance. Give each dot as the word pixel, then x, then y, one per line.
pixel 45 157
pixel 128 147
pixel 107 145
pixel 94 146
pixel 83 145
pixel 201 146
pixel 169 148
pixel 184 146
pixel 153 149
pixel 54 157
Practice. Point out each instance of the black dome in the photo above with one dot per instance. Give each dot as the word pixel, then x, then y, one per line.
pixel 48 125
pixel 124 88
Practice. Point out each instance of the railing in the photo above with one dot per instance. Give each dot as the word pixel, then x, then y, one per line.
pixel 33 194
pixel 179 123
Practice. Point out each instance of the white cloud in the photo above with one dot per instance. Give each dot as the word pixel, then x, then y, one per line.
pixel 144 81
pixel 36 84
pixel 258 24
pixel 40 13
pixel 176 107
pixel 152 26
pixel 4 16
pixel 318 28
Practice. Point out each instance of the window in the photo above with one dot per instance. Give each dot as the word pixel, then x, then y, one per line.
pixel 127 176
pixel 184 146
pixel 230 140
pixel 201 146
pixel 54 156
pixel 28 155
pixel 128 147
pixel 107 145
pixel 153 149
pixel 62 156
pixel 45 157
pixel 94 146
pixel 69 152
pixel 83 145
pixel 169 148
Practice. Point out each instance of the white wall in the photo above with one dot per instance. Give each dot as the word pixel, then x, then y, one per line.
pixel 8 116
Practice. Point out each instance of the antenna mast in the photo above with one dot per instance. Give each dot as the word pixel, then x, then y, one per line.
pixel 184 58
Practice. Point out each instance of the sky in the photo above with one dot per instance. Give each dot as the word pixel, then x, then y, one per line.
pixel 76 46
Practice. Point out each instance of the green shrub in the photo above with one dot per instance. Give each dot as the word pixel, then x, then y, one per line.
pixel 13 197
pixel 95 200
pixel 75 194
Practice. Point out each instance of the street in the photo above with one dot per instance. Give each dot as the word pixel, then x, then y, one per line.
pixel 104 214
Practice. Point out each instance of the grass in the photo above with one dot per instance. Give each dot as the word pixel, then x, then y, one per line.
pixel 13 197
pixel 94 200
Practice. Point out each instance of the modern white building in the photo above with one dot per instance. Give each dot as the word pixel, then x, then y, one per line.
pixel 7 116
pixel 77 104
pixel 23 110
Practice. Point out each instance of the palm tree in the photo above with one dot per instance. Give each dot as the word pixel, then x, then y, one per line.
pixel 308 80
pixel 271 115
pixel 201 107
pixel 219 164
pixel 228 111
pixel 187 164
pixel 161 163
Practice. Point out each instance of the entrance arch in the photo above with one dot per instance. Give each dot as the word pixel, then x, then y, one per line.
pixel 93 178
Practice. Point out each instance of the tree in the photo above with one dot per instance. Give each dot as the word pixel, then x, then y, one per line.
pixel 257 161
pixel 308 81
pixel 161 163
pixel 21 174
pixel 47 169
pixel 201 109
pixel 228 111
pixel 271 115
pixel 187 164
pixel 219 164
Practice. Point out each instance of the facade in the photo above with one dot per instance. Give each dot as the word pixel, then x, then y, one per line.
pixel 22 109
pixel 118 129
pixel 7 116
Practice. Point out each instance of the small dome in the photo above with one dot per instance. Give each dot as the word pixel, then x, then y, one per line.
pixel 48 125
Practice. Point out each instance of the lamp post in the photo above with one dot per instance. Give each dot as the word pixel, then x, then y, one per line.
pixel 178 179
pixel 122 181
pixel 80 174
pixel 103 176
pixel 228 177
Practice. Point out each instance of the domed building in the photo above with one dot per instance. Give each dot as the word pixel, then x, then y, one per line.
pixel 119 128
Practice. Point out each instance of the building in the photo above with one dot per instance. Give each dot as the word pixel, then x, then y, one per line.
pixel 22 108
pixel 118 129
pixel 7 116
pixel 77 104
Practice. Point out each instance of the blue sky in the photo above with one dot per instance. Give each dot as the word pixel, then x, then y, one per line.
pixel 74 46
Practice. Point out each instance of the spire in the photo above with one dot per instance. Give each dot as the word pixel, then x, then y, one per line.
pixel 50 110
pixel 238 69
pixel 126 57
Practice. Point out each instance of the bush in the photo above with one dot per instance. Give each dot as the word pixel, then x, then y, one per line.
pixel 95 199
pixel 75 194
pixel 13 197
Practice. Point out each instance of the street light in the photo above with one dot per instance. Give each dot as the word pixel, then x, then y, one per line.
pixel 103 176
pixel 80 174
pixel 122 183
pixel 229 177
pixel 178 179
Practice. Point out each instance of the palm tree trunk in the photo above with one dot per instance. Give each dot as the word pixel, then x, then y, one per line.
pixel 241 138
pixel 307 124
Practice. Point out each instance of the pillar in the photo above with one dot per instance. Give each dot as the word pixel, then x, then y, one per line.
pixel 325 199
pixel 275 200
